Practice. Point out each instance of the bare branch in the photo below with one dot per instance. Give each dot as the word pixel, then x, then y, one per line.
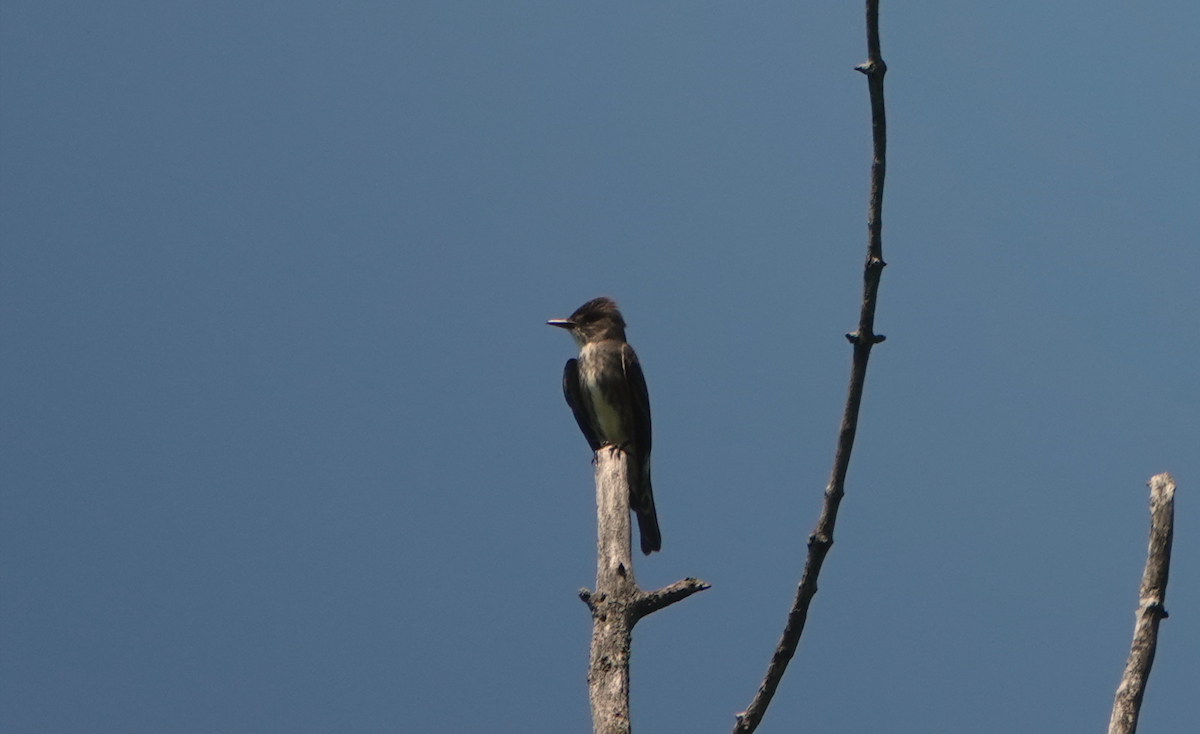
pixel 1128 701
pixel 608 669
pixel 863 339
pixel 650 602
pixel 617 604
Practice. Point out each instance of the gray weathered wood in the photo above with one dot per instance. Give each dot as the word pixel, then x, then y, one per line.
pixel 1128 701
pixel 614 558
pixel 617 604
pixel 608 669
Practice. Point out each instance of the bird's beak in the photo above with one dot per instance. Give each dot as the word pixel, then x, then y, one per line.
pixel 561 323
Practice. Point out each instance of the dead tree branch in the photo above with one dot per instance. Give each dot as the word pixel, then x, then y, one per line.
pixel 617 604
pixel 863 339
pixel 1128 701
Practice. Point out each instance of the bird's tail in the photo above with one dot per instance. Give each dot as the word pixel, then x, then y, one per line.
pixel 642 502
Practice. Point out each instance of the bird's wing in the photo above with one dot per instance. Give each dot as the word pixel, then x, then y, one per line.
pixel 574 395
pixel 641 495
pixel 641 400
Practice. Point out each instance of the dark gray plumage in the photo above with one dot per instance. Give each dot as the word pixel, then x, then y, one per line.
pixel 607 393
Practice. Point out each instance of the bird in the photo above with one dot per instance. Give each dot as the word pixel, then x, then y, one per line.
pixel 607 393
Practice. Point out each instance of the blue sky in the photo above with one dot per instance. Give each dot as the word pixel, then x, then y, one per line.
pixel 282 443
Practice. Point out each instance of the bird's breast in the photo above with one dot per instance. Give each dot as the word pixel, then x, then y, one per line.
pixel 602 378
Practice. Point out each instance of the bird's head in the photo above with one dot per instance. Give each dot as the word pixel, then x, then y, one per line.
pixel 596 320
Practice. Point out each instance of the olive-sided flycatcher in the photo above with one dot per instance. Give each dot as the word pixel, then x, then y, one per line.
pixel 607 393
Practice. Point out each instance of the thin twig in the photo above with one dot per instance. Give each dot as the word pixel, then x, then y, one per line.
pixel 1128 701
pixel 863 339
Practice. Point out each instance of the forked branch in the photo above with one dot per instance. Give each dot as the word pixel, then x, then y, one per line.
pixel 618 603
